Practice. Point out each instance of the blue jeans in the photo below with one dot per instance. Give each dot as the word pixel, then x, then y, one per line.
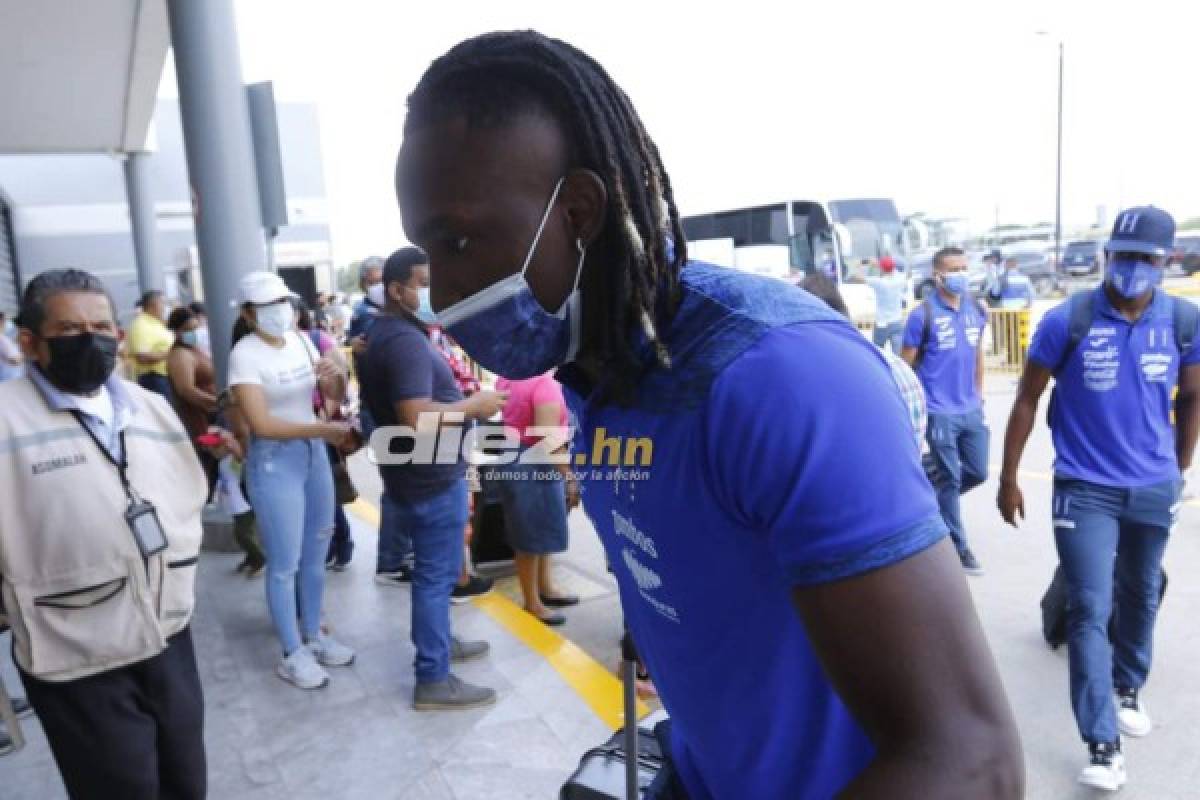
pixel 958 444
pixel 1093 525
pixel 291 490
pixel 436 524
pixel 395 542
pixel 893 334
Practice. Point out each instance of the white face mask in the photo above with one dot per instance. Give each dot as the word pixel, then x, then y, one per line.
pixel 376 295
pixel 275 319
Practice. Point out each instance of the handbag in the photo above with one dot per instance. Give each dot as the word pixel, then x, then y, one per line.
pixel 352 444
pixel 343 486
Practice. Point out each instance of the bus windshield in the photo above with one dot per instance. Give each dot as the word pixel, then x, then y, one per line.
pixel 874 224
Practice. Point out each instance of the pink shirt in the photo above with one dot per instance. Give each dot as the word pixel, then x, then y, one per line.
pixel 524 395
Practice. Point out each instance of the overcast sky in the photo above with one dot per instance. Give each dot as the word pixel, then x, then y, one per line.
pixel 948 107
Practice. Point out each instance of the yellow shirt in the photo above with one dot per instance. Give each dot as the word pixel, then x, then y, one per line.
pixel 148 335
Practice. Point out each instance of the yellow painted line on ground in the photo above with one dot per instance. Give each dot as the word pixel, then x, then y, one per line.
pixel 594 684
pixel 365 511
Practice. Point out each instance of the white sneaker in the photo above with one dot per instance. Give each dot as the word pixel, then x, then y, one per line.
pixel 329 652
pixel 1106 770
pixel 1131 714
pixel 302 670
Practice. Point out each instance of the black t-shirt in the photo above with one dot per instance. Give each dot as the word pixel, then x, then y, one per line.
pixel 402 364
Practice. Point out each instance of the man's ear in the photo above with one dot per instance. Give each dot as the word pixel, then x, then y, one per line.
pixel 585 199
pixel 28 343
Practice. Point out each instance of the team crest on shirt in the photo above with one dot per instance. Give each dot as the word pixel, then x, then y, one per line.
pixel 1156 367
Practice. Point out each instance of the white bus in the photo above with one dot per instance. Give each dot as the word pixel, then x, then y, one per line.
pixel 790 239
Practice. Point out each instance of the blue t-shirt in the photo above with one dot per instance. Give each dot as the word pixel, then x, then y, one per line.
pixel 402 364
pixel 947 368
pixel 1016 291
pixel 1111 419
pixel 765 435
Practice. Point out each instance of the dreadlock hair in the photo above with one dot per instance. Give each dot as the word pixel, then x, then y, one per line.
pixel 495 78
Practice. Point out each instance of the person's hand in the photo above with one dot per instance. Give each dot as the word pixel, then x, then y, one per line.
pixel 358 345
pixel 336 433
pixel 327 369
pixel 485 404
pixel 1010 501
pixel 226 445
pixel 230 445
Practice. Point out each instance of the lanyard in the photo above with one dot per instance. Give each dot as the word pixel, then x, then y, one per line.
pixel 122 465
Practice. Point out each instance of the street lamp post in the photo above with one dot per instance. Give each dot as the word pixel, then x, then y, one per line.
pixel 1058 169
pixel 1058 160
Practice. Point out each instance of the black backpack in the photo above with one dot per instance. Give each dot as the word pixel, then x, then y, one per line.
pixel 1082 312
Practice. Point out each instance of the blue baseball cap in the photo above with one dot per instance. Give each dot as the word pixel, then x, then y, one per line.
pixel 1144 229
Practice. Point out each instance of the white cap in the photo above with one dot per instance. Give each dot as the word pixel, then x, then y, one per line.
pixel 259 288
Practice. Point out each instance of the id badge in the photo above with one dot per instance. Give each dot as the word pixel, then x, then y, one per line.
pixel 147 532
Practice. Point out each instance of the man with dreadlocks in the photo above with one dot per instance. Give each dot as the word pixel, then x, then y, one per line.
pixel 841 652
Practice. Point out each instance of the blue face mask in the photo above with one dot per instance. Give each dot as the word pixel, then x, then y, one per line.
pixel 505 328
pixel 189 338
pixel 1131 277
pixel 955 283
pixel 424 311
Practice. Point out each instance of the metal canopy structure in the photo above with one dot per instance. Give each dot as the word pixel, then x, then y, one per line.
pixel 82 77
pixel 79 77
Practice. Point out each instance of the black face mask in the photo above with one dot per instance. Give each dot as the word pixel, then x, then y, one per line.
pixel 80 364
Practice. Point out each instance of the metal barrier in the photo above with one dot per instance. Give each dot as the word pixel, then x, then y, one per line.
pixel 1009 331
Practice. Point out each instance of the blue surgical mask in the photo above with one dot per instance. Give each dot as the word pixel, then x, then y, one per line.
pixel 424 311
pixel 189 338
pixel 1131 277
pixel 955 283
pixel 505 328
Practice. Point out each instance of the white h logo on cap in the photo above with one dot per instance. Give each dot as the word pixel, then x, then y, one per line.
pixel 1128 223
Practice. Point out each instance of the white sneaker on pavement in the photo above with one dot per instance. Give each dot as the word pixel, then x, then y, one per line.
pixel 329 652
pixel 1132 716
pixel 302 670
pixel 1106 771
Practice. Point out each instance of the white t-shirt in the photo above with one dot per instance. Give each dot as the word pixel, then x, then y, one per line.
pixel 285 374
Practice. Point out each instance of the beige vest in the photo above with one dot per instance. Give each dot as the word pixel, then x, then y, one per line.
pixel 74 587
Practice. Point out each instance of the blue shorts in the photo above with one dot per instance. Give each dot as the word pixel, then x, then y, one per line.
pixel 535 506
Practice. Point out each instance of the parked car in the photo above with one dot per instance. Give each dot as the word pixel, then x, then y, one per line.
pixel 1083 258
pixel 1187 253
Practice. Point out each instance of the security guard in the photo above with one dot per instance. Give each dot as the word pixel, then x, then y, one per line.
pixel 1117 354
pixel 99 534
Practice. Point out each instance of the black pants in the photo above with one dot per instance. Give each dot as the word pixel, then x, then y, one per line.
pixel 135 733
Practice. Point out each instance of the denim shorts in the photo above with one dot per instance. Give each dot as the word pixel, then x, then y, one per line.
pixel 535 506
